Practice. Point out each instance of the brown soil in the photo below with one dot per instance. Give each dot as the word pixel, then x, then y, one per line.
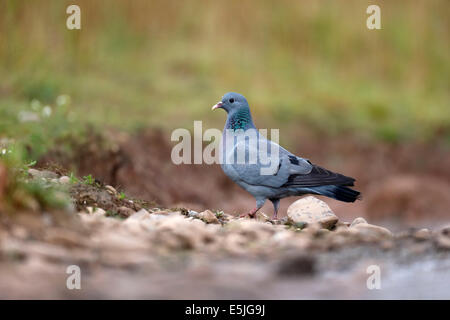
pixel 403 182
pixel 172 253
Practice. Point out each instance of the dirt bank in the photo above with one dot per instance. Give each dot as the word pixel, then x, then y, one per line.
pixel 128 248
pixel 401 183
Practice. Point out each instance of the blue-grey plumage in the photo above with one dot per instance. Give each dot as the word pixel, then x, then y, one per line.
pixel 283 174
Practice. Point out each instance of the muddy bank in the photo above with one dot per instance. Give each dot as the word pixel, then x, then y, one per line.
pixel 129 248
pixel 401 183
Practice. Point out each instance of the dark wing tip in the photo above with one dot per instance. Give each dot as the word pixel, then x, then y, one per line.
pixel 319 177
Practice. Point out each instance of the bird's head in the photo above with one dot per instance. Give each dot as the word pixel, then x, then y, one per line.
pixel 231 102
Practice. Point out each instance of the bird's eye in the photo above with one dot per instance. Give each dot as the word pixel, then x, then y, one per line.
pixel 231 100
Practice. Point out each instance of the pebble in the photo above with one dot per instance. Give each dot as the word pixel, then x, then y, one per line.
pixel 64 180
pixel 192 213
pixel 42 174
pixel 443 242
pixel 358 221
pixel 371 230
pixel 208 216
pixel 96 211
pixel 422 234
pixel 140 215
pixel 125 212
pixel 110 189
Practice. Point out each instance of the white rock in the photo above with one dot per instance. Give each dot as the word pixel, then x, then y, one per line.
pixel 192 213
pixel 443 242
pixel 64 179
pixel 372 230
pixel 42 174
pixel 140 215
pixel 358 221
pixel 96 211
pixel 311 210
pixel 422 234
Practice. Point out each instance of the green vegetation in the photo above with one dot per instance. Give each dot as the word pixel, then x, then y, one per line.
pixel 89 180
pixel 73 178
pixel 19 192
pixel 164 63
pixel 218 213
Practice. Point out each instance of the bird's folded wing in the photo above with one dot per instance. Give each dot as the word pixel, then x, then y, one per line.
pixel 318 177
pixel 274 172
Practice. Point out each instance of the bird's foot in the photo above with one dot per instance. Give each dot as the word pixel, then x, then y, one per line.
pixel 251 214
pixel 248 214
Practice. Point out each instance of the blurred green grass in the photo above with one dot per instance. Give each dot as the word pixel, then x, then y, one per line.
pixel 164 63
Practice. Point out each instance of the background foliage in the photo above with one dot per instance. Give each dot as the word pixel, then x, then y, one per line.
pixel 301 64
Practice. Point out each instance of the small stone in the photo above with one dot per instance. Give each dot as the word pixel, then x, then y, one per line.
pixel 192 213
pixel 443 242
pixel 46 174
pixel 125 212
pixel 208 216
pixel 346 231
pixel 140 215
pixel 422 234
pixel 358 221
pixel 34 173
pixel 96 211
pixel 110 189
pixel 312 210
pixel 99 212
pixel 64 180
pixel 372 230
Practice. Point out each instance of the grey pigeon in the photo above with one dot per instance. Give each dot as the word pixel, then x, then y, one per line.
pixel 286 175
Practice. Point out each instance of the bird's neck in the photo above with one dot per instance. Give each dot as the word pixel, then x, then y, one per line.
pixel 240 119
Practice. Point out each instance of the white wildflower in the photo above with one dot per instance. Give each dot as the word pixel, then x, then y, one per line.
pixel 62 100
pixel 47 111
pixel 35 105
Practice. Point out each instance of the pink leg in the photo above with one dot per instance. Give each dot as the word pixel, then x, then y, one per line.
pixel 251 214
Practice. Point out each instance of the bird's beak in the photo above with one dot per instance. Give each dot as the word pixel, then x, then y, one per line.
pixel 217 105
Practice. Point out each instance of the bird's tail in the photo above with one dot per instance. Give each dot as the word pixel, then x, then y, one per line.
pixel 340 193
